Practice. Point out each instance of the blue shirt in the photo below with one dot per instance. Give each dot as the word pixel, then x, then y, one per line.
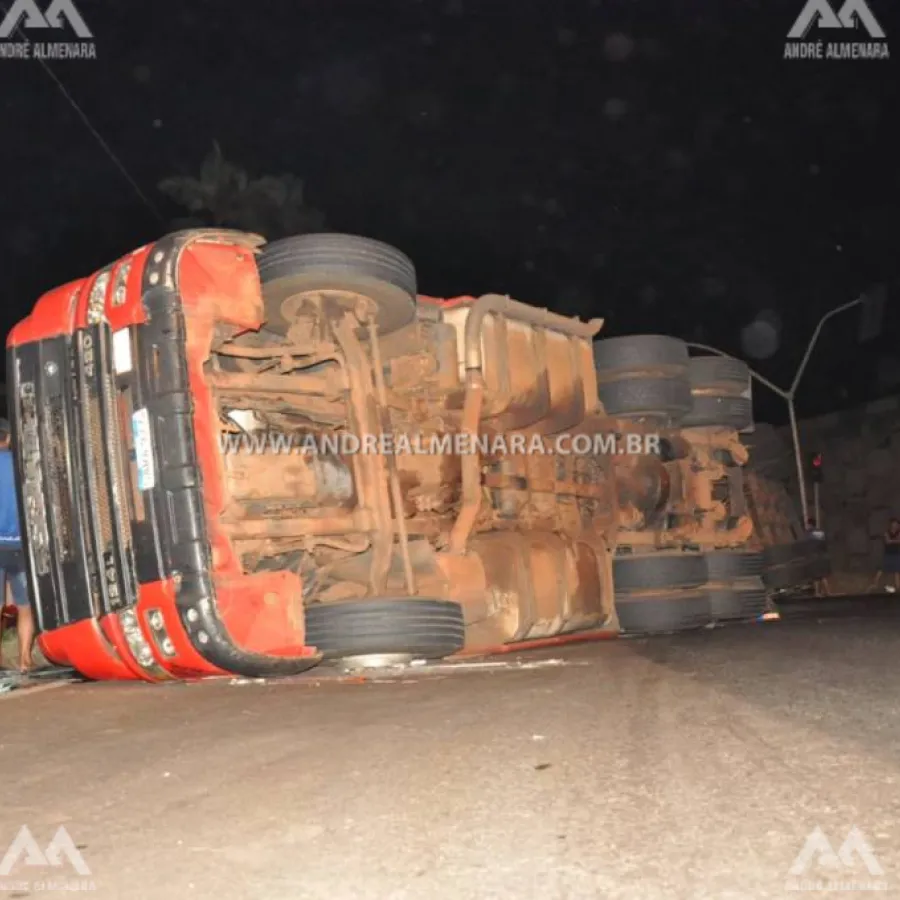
pixel 10 535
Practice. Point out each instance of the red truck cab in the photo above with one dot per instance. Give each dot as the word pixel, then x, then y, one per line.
pixel 114 433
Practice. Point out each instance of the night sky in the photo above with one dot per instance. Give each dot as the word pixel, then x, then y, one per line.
pixel 657 164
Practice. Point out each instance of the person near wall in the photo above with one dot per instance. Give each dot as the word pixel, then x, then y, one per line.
pixel 13 580
pixel 890 558
pixel 816 533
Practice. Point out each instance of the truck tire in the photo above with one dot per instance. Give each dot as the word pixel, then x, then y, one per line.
pixel 719 374
pixel 643 376
pixel 723 411
pixel 665 398
pixel 741 602
pixel 796 564
pixel 658 571
pixel 788 575
pixel 422 628
pixel 717 383
pixel 337 262
pixel 726 565
pixel 663 613
pixel 641 353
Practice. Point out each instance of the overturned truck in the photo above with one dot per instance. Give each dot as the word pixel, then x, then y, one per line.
pixel 190 508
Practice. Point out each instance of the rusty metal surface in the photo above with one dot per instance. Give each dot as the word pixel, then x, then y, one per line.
pixel 523 541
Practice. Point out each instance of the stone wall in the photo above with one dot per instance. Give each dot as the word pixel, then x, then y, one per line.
pixel 861 491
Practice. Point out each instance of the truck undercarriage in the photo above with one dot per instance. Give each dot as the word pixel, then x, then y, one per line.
pixel 241 458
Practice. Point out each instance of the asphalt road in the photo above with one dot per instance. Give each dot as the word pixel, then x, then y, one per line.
pixel 685 767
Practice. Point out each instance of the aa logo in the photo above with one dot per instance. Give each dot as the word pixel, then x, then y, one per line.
pixel 53 18
pixel 821 14
pixel 818 853
pixel 26 850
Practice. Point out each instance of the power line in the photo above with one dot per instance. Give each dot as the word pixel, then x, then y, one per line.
pixel 99 137
pixel 93 130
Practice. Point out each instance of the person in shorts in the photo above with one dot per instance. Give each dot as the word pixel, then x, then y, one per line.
pixel 16 588
pixel 890 564
pixel 13 580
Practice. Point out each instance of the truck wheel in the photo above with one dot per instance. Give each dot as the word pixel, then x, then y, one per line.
pixel 652 572
pixel 740 602
pixel 643 376
pixel 788 575
pixel 663 398
pixel 641 353
pixel 719 374
pixel 726 565
pixel 663 613
pixel 339 263
pixel 795 564
pixel 717 383
pixel 425 629
pixel 723 411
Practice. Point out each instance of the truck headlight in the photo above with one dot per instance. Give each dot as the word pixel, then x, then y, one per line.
pixel 157 623
pixel 97 301
pixel 139 646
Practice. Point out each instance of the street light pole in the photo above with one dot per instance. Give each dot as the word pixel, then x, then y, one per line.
pixel 789 395
pixel 815 339
pixel 798 459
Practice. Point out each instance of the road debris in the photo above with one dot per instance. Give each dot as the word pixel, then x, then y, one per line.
pixel 505 664
pixel 42 678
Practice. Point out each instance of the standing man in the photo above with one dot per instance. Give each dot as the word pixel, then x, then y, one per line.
pixel 891 558
pixel 12 563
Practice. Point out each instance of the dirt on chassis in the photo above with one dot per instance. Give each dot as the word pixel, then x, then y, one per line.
pixel 193 503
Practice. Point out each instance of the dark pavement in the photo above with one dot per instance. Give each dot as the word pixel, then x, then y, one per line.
pixel 684 767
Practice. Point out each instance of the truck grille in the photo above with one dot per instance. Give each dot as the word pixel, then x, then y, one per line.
pixel 54 435
pixel 73 491
pixel 100 447
pixel 98 474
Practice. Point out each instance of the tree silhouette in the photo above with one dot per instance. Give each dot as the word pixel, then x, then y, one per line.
pixel 224 194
